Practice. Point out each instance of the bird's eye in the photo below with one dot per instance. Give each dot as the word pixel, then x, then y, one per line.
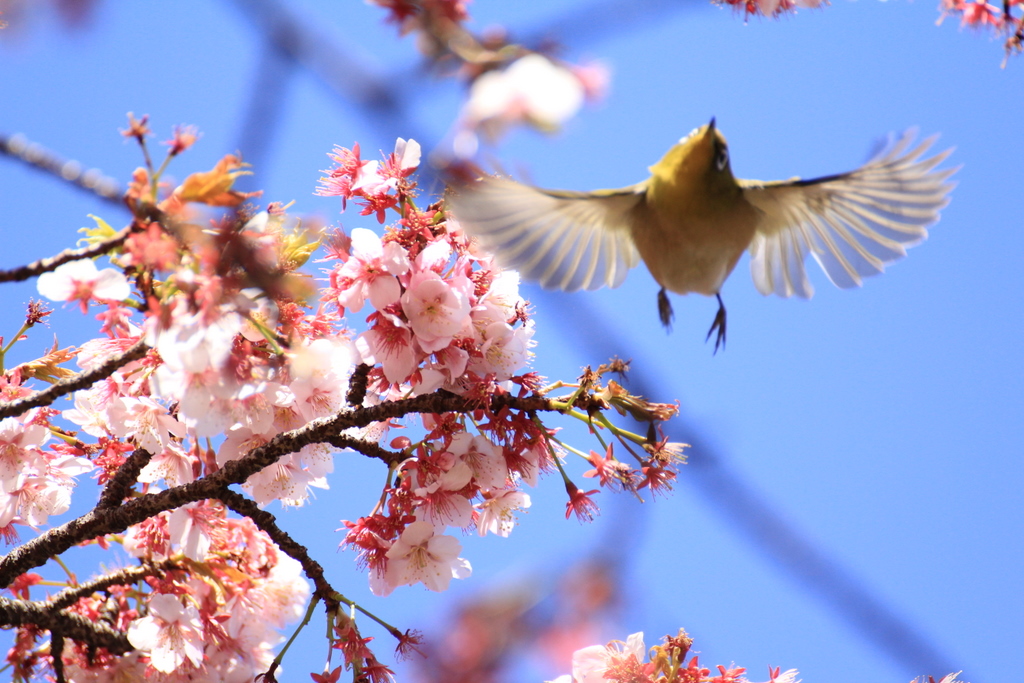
pixel 722 160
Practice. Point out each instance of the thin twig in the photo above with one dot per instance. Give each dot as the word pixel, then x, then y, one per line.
pixel 50 263
pixel 74 383
pixel 57 654
pixel 122 577
pixel 38 157
pixel 266 522
pixel 367 448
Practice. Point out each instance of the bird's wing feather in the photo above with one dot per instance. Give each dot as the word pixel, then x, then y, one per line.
pixel 563 240
pixel 854 223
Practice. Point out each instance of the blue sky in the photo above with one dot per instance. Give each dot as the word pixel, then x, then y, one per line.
pixel 884 425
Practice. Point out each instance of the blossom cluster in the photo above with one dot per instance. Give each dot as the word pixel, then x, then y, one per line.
pixel 219 624
pixel 442 316
pixel 532 90
pixel 213 348
pixel 769 8
pixel 232 361
pixel 666 662
pixel 628 661
pixel 999 19
pixel 509 85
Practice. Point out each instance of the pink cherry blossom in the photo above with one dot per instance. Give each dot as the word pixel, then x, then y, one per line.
pixel 389 343
pixel 444 504
pixel 532 89
pixel 370 272
pixel 320 372
pixel 87 414
pixel 590 663
pixel 81 281
pixel 19 450
pixel 173 464
pixel 505 349
pixel 420 555
pixel 172 634
pixel 484 459
pixel 194 341
pixel 189 528
pixel 144 421
pixel 497 511
pixel 437 309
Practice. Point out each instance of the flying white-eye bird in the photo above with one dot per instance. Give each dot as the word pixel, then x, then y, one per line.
pixel 692 219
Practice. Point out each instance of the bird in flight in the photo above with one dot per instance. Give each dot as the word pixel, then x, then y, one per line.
pixel 691 220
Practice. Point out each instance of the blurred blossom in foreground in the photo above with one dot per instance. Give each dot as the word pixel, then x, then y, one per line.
pixel 533 90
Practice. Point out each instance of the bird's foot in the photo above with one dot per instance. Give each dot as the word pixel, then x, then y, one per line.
pixel 718 324
pixel 665 310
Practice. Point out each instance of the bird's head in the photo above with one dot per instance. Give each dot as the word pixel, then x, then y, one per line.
pixel 701 159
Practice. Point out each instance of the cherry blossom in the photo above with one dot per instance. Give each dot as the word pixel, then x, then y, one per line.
pixel 532 88
pixel 81 281
pixel 437 309
pixel 420 555
pixel 589 664
pixel 172 634
pixel 20 446
pixel 483 457
pixel 497 511
pixel 144 421
pixel 238 357
pixel 370 272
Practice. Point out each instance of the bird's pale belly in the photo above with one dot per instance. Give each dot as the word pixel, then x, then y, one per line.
pixel 684 261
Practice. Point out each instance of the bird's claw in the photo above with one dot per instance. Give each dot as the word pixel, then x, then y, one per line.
pixel 718 324
pixel 665 310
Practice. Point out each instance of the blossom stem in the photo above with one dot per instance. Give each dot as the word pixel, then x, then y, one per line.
pixel 356 606
pixel 17 335
pixel 267 334
pixel 72 579
pixel 306 618
pixel 569 448
pixel 155 175
pixel 607 424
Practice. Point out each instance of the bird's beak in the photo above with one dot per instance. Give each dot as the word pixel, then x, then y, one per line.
pixel 711 126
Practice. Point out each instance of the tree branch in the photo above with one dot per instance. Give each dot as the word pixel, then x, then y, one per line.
pixel 367 448
pixel 74 383
pixel 47 264
pixel 42 159
pixel 69 624
pixel 124 479
pixel 268 524
pixel 37 551
pixel 122 577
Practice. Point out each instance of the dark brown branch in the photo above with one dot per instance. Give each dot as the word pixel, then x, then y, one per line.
pixel 47 264
pixel 124 479
pixel 69 624
pixel 79 381
pixel 57 653
pixel 35 552
pixel 122 577
pixel 265 521
pixel 357 385
pixel 40 158
pixel 367 448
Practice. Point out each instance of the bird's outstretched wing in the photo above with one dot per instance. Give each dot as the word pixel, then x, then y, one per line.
pixel 853 223
pixel 563 240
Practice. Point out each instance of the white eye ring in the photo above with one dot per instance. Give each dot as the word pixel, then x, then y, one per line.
pixel 723 159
